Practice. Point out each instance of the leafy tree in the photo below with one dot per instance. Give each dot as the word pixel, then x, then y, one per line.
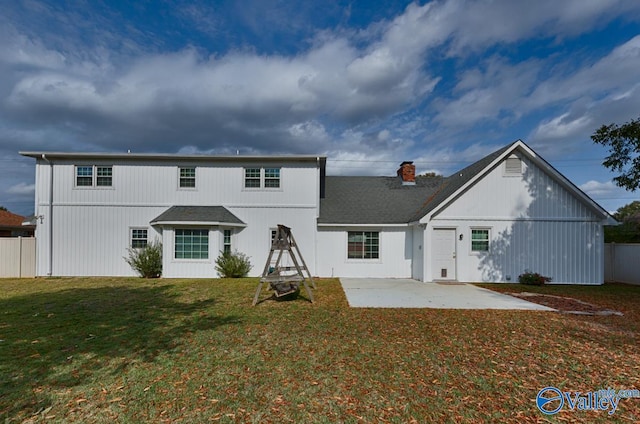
pixel 2 208
pixel 628 212
pixel 623 142
pixel 629 229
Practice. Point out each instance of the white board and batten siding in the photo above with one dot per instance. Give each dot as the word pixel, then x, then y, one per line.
pixel 91 226
pixel 535 224
pixel 395 253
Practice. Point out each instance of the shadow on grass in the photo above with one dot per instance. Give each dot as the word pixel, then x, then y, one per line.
pixel 56 340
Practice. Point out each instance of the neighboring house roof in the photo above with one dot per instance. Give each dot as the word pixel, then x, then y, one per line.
pixel 384 200
pixel 198 215
pixel 8 219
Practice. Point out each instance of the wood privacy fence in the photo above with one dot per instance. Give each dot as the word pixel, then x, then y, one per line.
pixel 622 262
pixel 17 257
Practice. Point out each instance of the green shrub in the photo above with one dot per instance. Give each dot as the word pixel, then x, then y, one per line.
pixel 533 279
pixel 233 265
pixel 146 261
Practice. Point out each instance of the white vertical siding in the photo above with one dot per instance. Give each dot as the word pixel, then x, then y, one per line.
pixel 147 183
pixel 417 265
pixel 93 240
pixel 91 225
pixel 396 252
pixel 535 224
pixel 568 252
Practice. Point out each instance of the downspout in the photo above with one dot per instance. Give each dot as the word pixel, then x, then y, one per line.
pixel 50 271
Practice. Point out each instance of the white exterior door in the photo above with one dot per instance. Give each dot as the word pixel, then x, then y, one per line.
pixel 444 254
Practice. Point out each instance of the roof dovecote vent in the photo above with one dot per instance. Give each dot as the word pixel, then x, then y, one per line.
pixel 407 173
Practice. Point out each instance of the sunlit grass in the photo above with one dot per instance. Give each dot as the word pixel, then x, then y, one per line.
pixel 134 350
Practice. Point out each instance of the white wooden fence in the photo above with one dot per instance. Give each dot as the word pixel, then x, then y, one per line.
pixel 17 257
pixel 622 262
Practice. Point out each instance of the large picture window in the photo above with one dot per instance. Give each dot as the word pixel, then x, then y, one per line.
pixel 363 245
pixel 480 240
pixel 191 244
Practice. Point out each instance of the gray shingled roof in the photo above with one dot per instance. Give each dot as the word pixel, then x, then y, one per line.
pixel 189 214
pixel 384 200
pixel 374 200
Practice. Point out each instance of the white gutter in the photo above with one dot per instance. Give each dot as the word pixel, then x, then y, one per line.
pixel 364 225
pixel 50 270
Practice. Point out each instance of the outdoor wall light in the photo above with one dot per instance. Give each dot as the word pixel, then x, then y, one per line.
pixel 461 237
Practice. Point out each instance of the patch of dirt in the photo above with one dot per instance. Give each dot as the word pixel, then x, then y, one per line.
pixel 565 305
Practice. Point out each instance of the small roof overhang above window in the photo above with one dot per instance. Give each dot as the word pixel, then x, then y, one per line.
pixel 198 215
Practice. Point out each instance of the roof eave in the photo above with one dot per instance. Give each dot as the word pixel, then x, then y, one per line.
pixel 198 223
pixel 325 224
pixel 165 156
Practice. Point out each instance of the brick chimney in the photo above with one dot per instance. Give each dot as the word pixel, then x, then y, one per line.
pixel 407 172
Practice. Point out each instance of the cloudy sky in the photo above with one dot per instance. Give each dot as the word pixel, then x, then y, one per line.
pixel 369 84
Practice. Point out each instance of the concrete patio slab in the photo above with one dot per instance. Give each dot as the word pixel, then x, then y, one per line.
pixel 407 293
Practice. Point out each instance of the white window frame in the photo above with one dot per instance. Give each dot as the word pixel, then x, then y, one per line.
pixel 132 231
pixel 265 178
pixel 471 240
pixel 226 243
pixel 175 244
pixel 95 177
pixel 364 245
pixel 187 178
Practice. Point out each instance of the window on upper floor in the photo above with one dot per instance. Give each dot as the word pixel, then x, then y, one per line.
pixel 272 177
pixel 262 178
pixel 94 176
pixel 363 245
pixel 187 177
pixel 138 238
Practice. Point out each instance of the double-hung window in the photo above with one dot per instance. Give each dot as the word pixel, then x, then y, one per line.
pixel 252 177
pixel 191 243
pixel 138 238
pixel 272 177
pixel 84 176
pixel 226 241
pixel 479 239
pixel 363 245
pixel 261 177
pixel 94 176
pixel 187 177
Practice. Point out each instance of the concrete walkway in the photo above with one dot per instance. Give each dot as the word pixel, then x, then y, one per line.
pixel 406 293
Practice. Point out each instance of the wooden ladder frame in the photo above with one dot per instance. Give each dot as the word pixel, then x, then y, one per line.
pixel 284 241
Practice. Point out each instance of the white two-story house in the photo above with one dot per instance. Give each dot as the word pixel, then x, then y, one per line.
pixel 505 214
pixel 92 207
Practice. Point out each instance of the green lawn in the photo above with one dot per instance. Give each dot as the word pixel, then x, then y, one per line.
pixel 132 350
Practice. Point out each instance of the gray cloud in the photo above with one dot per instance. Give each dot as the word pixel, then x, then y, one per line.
pixel 83 80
